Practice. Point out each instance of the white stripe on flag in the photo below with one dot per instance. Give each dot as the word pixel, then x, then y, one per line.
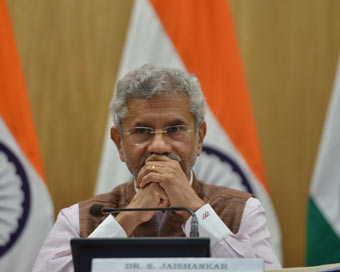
pixel 325 188
pixel 21 256
pixel 158 49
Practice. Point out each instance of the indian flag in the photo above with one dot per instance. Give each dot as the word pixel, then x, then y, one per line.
pixel 323 223
pixel 26 210
pixel 198 36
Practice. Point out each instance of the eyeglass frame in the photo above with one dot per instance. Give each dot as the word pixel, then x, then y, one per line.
pixel 153 131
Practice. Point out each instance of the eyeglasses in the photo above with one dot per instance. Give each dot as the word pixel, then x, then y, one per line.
pixel 141 135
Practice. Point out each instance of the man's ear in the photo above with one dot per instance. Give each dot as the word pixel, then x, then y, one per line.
pixel 117 139
pixel 202 130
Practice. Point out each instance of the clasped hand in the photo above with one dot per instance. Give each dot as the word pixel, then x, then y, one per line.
pixel 170 177
pixel 161 183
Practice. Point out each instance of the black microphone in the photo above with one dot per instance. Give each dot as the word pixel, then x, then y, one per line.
pixel 98 210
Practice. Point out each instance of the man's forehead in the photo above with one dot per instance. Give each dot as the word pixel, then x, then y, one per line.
pixel 160 101
pixel 160 95
pixel 169 108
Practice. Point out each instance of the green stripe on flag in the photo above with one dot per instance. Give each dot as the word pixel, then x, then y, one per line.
pixel 323 244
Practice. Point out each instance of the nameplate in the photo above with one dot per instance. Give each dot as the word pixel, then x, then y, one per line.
pixel 176 265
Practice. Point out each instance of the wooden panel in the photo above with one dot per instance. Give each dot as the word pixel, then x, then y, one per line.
pixel 290 51
pixel 70 51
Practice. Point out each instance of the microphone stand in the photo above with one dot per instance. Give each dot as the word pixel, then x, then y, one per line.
pixel 98 210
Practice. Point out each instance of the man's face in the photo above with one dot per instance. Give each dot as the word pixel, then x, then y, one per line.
pixel 158 113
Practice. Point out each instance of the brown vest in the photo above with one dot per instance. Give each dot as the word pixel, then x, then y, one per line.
pixel 227 203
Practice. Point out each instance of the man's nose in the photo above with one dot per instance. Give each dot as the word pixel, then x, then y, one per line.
pixel 159 144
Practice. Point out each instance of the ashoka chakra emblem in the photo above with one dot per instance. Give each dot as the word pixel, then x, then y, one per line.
pixel 14 198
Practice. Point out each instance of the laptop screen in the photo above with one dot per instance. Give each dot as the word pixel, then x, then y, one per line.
pixel 84 250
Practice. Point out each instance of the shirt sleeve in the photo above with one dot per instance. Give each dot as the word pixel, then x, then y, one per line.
pixel 109 228
pixel 251 241
pixel 55 254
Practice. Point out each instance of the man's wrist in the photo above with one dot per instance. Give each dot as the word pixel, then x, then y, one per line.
pixel 199 204
pixel 194 207
pixel 128 221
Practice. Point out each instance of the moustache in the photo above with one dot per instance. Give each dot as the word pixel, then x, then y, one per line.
pixel 170 156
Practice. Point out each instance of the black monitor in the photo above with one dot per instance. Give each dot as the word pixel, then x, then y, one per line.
pixel 84 250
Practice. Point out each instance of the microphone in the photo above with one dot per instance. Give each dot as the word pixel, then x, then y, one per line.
pixel 98 210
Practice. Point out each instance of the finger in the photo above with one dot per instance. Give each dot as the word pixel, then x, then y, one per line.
pixel 164 160
pixel 149 178
pixel 160 195
pixel 164 203
pixel 162 179
pixel 148 168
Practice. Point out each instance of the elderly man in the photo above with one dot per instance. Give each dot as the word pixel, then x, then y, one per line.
pixel 159 128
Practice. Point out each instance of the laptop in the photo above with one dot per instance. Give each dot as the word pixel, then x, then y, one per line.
pixel 86 249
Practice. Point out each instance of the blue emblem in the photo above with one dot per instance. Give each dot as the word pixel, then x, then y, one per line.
pixel 216 167
pixel 14 198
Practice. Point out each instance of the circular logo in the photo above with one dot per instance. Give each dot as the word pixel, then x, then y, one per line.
pixel 215 167
pixel 14 198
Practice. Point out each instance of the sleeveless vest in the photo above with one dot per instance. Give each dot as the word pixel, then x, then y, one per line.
pixel 227 203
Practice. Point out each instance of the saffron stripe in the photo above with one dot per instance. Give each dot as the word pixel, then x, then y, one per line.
pixel 203 34
pixel 14 103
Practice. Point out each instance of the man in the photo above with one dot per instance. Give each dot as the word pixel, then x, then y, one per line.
pixel 159 128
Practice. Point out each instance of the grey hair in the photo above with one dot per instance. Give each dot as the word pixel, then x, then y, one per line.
pixel 148 81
